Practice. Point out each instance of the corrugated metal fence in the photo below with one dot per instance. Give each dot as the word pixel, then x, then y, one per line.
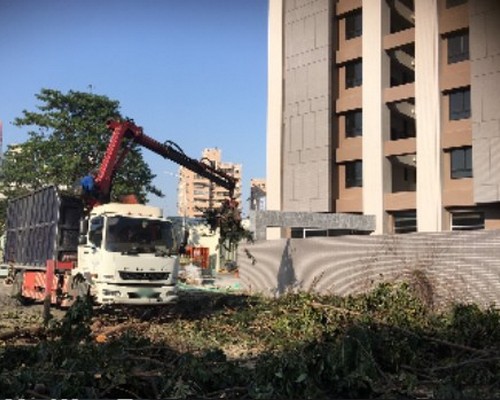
pixel 452 266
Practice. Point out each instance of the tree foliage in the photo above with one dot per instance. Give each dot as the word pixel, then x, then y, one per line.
pixel 228 219
pixel 66 141
pixel 385 344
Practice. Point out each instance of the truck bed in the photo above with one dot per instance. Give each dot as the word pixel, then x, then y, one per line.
pixel 41 226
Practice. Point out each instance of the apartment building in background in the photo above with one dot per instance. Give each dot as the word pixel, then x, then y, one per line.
pixel 196 194
pixel 388 108
pixel 257 194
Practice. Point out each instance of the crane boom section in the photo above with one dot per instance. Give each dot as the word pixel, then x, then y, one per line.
pixel 127 129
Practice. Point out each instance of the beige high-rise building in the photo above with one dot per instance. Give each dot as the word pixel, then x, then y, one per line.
pixel 388 108
pixel 197 194
pixel 257 194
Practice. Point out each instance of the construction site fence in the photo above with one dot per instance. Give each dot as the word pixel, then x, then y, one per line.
pixel 450 266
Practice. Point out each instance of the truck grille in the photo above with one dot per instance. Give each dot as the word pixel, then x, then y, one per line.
pixel 144 276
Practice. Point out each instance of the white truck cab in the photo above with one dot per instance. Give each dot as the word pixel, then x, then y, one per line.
pixel 127 255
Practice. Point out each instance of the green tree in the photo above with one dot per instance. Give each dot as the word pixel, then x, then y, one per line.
pixel 67 140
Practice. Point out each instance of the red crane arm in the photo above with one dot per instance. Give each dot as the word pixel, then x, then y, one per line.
pixel 111 161
pixel 114 156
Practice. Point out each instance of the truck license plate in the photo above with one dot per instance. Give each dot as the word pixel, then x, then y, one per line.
pixel 145 292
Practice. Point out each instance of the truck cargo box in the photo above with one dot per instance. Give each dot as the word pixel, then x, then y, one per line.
pixel 41 226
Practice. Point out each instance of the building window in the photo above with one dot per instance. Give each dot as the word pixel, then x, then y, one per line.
pixel 402 127
pixel 467 220
pixel 353 74
pixel 404 221
pixel 353 123
pixel 353 25
pixel 460 104
pixel 354 174
pixel 461 163
pixel 454 3
pixel 458 47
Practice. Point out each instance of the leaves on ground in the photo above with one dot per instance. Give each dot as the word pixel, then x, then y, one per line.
pixel 384 344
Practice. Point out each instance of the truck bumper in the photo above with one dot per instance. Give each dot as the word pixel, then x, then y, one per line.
pixel 140 295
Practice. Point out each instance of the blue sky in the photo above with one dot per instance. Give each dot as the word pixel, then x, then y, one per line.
pixel 190 71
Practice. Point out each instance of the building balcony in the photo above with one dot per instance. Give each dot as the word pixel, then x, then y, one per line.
pixel 399 93
pixel 399 39
pixel 402 120
pixel 403 173
pixel 402 15
pixel 402 65
pixel 400 147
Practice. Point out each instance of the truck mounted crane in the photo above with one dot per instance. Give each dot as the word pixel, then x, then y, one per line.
pixel 100 189
pixel 61 247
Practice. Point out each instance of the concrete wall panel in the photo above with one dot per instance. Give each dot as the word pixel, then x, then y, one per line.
pixel 309 32
pixel 460 266
pixel 494 151
pixel 296 131
pixel 317 77
pixel 491 91
pixel 322 135
pixel 484 36
pixel 321 29
pixel 309 127
pixel 306 103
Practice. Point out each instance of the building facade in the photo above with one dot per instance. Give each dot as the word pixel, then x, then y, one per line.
pixel 257 194
pixel 197 194
pixel 388 108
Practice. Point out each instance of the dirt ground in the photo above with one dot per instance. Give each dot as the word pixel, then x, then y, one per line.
pixel 17 320
pixel 21 323
pixel 9 304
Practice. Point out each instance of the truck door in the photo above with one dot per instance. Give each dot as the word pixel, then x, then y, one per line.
pixel 91 252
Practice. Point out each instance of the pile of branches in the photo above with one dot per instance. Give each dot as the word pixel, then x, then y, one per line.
pixel 385 344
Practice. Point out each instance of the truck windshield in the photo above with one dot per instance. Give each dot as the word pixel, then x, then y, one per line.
pixel 139 235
